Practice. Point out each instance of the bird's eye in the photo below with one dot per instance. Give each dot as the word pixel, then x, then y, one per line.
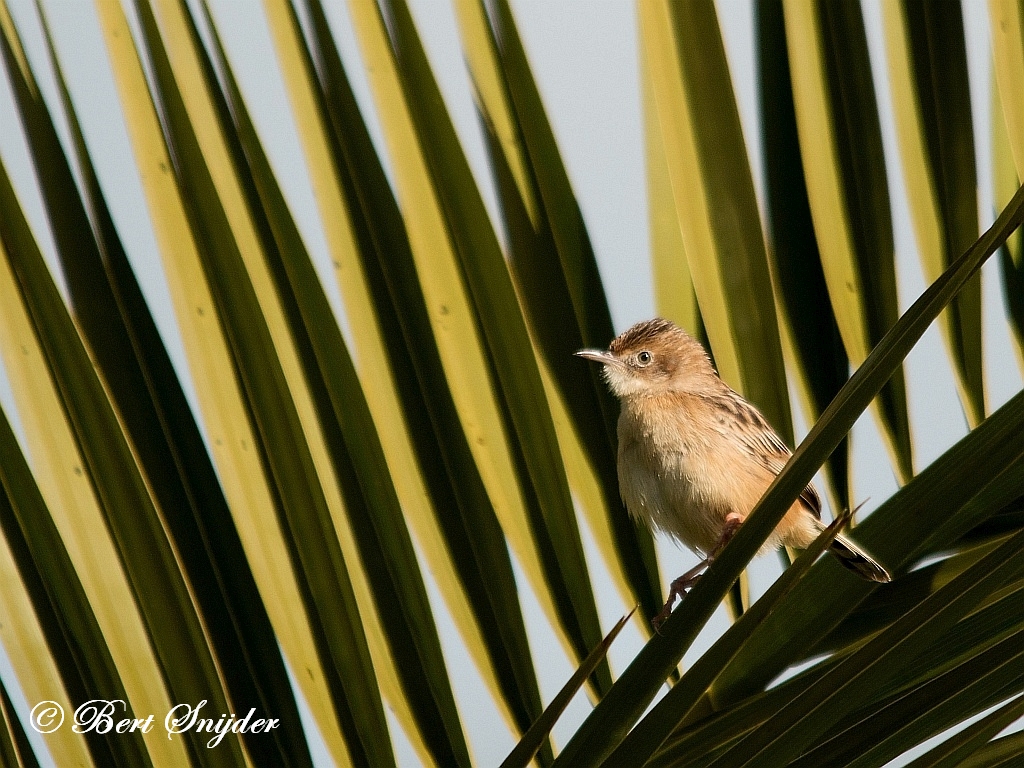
pixel 644 358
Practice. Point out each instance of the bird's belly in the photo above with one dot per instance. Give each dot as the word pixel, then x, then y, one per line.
pixel 673 495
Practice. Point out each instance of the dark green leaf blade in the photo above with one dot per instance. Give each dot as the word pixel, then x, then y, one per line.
pixel 853 680
pixel 75 640
pixel 508 345
pixel 841 144
pixel 534 738
pixel 940 671
pixel 822 364
pixel 15 749
pixel 887 727
pixel 1004 753
pixel 1011 257
pixel 928 69
pixel 650 733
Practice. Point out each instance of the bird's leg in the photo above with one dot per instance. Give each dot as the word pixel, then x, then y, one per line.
pixel 732 524
pixel 684 583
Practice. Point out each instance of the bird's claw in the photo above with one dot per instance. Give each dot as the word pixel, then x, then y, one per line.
pixel 678 589
pixel 685 583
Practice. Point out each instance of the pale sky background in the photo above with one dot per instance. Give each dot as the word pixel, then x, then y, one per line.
pixel 584 56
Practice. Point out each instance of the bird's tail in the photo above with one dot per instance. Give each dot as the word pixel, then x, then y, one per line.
pixel 858 561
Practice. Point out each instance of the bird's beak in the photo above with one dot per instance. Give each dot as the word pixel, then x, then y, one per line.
pixel 602 356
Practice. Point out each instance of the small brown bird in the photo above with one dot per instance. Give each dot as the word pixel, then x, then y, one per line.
pixel 695 457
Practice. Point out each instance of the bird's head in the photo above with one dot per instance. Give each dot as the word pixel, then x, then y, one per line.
pixel 651 358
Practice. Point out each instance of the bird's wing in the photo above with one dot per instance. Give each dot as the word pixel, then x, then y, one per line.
pixel 763 442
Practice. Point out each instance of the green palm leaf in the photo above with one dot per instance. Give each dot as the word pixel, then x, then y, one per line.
pixel 352 505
